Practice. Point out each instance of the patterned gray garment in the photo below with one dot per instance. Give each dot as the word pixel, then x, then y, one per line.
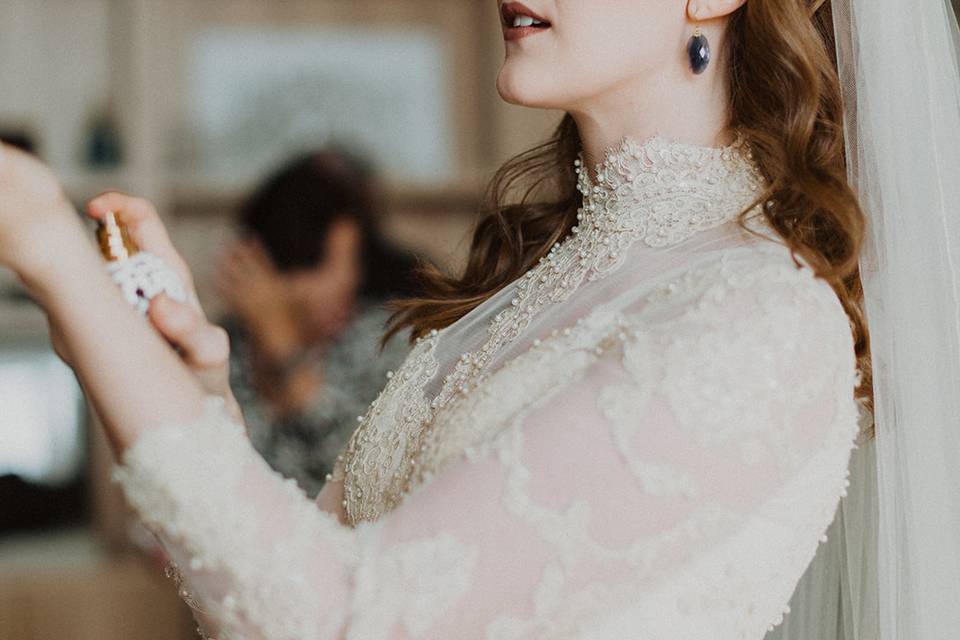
pixel 305 445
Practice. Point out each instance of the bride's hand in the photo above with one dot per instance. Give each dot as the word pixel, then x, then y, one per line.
pixel 203 346
pixel 41 236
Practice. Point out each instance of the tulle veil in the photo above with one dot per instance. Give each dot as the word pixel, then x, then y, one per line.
pixel 890 569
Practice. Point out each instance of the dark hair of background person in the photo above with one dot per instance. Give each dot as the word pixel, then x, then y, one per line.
pixel 292 211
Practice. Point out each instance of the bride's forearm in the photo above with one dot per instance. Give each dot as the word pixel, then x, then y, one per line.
pixel 134 380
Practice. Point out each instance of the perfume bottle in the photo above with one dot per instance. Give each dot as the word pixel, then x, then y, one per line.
pixel 140 275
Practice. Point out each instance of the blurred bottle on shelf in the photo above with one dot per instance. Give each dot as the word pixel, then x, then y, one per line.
pixel 104 148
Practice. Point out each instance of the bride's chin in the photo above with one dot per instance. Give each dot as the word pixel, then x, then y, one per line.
pixel 522 92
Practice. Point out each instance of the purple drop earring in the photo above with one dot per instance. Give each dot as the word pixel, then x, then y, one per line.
pixel 699 51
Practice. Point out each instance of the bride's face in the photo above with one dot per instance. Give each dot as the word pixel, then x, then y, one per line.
pixel 560 54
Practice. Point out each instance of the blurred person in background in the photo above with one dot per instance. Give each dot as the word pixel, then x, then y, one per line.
pixel 306 287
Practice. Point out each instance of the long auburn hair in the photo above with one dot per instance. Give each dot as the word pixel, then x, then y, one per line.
pixel 784 99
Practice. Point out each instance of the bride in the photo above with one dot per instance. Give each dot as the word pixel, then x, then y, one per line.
pixel 631 416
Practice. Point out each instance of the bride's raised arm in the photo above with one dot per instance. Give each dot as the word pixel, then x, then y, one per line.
pixel 720 436
pixel 132 377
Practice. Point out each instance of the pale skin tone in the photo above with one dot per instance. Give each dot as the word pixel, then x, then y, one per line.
pixel 625 70
pixel 619 66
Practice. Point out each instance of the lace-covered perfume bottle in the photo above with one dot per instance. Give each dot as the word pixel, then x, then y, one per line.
pixel 140 275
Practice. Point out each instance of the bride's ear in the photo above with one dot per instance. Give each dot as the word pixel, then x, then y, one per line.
pixel 700 10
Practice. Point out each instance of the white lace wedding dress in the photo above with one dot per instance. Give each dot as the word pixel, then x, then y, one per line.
pixel 644 437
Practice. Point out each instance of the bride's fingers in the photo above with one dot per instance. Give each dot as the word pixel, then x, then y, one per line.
pixel 201 344
pixel 144 225
pixel 138 214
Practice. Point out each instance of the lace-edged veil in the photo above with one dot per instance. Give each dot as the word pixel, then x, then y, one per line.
pixel 891 567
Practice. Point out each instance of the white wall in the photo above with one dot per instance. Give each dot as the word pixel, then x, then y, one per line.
pixel 54 61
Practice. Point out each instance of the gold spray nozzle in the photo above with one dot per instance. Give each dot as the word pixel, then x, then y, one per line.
pixel 115 242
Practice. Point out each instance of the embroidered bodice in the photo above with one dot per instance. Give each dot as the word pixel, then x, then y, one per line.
pixel 658 192
pixel 645 436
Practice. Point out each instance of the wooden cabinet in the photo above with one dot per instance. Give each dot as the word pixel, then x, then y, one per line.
pixel 63 586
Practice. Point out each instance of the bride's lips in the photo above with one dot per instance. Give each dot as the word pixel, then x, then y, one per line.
pixel 519 21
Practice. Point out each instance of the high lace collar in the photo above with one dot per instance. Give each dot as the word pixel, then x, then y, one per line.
pixel 662 191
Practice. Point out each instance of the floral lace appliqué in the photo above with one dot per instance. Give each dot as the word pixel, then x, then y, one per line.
pixel 661 192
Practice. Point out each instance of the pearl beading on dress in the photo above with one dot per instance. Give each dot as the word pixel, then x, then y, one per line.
pixel 659 191
pixel 657 456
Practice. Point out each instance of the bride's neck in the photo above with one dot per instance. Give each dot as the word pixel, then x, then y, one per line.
pixel 690 110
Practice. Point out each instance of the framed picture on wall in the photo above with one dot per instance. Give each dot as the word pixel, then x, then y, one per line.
pixel 258 95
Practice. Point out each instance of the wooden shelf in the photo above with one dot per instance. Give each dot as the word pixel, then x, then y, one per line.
pixel 81 185
pixel 194 194
pixel 65 585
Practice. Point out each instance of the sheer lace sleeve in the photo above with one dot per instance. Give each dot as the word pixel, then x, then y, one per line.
pixel 670 477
